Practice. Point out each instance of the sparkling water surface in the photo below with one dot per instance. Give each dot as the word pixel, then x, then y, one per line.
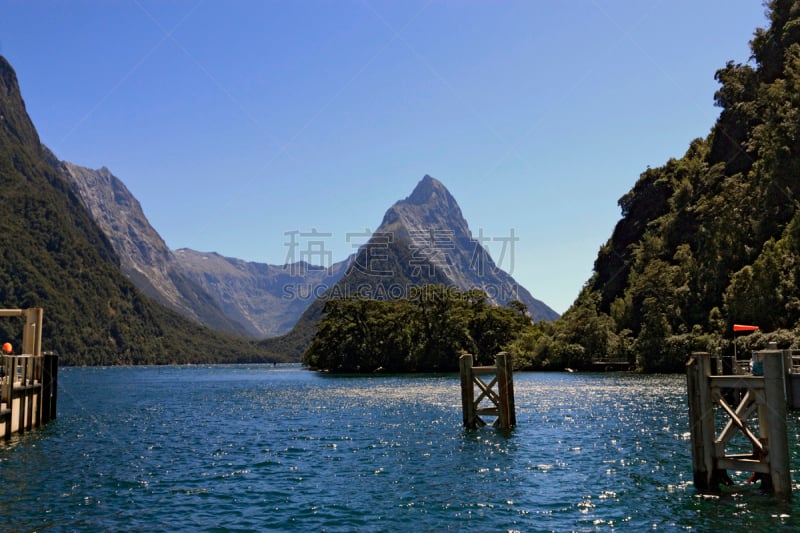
pixel 263 448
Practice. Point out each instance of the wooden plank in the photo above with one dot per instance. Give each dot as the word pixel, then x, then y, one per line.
pixel 739 423
pixel 486 390
pixel 49 387
pixel 512 407
pixel 737 382
pixel 745 465
pixel 744 410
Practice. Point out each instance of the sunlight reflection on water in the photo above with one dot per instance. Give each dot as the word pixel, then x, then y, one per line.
pixel 280 448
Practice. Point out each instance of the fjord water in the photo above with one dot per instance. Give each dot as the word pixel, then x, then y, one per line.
pixel 263 448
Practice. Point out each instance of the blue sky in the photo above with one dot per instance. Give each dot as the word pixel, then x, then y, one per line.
pixel 235 123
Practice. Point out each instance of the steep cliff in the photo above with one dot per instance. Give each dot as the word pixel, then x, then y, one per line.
pixel 144 256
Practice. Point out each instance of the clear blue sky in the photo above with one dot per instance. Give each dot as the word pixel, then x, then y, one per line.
pixel 234 123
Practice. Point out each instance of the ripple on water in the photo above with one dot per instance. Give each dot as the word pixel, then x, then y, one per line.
pixel 257 448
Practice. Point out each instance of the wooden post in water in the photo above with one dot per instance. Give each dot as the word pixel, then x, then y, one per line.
pixel 505 389
pixel 701 422
pixel 468 392
pixel 764 395
pixel 6 386
pixel 773 415
pixel 502 399
pixel 49 387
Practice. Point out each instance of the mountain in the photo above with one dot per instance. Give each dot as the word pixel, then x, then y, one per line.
pixel 222 293
pixel 267 299
pixel 144 257
pixel 711 238
pixel 54 256
pixel 430 226
pixel 422 240
pixel 264 300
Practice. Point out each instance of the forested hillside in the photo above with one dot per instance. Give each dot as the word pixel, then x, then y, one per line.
pixel 53 255
pixel 707 240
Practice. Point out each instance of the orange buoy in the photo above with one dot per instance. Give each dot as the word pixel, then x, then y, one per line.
pixel 7 348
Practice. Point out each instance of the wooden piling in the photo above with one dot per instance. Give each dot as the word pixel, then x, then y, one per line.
pixel 505 389
pixel 467 391
pixel 502 400
pixel 701 420
pixel 49 387
pixel 773 414
pixel 764 395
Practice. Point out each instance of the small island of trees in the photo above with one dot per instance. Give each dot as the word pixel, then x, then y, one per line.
pixel 424 332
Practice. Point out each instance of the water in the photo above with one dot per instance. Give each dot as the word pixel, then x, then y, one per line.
pixel 262 448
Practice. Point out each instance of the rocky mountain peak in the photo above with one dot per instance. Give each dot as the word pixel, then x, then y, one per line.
pixel 433 244
pixel 430 191
pixel 430 206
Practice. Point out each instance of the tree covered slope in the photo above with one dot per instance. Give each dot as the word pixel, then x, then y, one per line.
pixel 710 239
pixel 53 255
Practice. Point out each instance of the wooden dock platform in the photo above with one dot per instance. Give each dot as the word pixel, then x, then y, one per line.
pixel 28 382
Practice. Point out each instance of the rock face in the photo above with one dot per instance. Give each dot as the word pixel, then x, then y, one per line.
pixel 267 299
pixel 227 294
pixel 423 239
pixel 441 248
pixel 144 256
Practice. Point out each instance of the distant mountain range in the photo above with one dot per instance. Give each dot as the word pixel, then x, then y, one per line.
pixel 430 239
pixel 144 257
pixel 227 294
pixel 267 299
pixel 76 241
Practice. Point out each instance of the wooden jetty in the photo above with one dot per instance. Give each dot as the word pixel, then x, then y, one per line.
pixel 28 382
pixel 500 401
pixel 612 365
pixel 759 416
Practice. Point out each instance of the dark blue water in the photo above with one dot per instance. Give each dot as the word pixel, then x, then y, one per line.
pixel 262 448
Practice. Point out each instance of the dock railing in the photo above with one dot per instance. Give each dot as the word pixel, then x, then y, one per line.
pixel 28 382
